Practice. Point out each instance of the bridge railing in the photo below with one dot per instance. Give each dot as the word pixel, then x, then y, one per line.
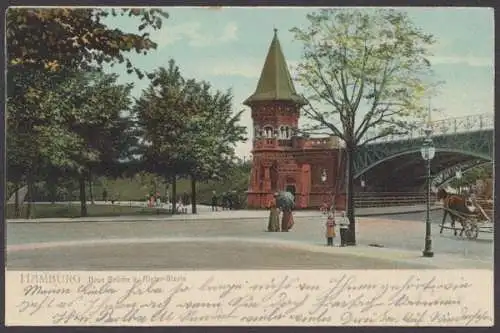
pixel 465 124
pixel 390 201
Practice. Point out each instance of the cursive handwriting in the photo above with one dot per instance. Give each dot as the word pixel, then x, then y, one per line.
pixel 273 298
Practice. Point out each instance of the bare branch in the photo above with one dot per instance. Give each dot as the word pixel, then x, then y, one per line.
pixel 334 101
pixel 314 114
pixel 362 78
pixel 366 123
pixel 320 94
pixel 309 131
pixel 382 135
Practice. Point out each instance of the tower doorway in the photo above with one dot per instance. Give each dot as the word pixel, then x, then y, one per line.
pixel 290 188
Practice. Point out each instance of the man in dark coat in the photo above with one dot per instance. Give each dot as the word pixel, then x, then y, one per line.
pixel 214 201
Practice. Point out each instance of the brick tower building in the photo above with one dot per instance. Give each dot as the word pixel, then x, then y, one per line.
pixel 283 160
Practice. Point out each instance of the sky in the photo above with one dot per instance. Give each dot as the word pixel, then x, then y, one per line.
pixel 227 47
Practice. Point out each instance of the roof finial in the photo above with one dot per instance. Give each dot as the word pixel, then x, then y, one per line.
pixel 275 31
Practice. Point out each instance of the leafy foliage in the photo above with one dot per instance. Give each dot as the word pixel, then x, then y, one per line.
pixel 56 38
pixel 364 61
pixel 58 115
pixel 187 129
pixel 363 69
pixel 211 133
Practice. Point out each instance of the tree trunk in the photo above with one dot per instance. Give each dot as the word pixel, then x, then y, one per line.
pixel 174 194
pixel 52 188
pixel 167 198
pixel 29 196
pixel 83 199
pixel 91 194
pixel 350 195
pixel 17 212
pixel 193 194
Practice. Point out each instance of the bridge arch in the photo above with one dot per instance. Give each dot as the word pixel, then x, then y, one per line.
pixel 417 150
pixel 449 174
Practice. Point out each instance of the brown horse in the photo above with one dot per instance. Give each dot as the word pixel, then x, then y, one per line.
pixel 456 203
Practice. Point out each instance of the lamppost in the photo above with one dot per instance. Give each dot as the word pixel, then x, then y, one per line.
pixel 428 151
pixel 458 175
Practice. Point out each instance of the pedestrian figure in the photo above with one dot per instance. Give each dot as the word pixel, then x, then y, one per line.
pixel 330 227
pixel 214 201
pixel 286 201
pixel 230 200
pixel 287 219
pixel 186 199
pixel 274 215
pixel 224 200
pixel 104 195
pixel 344 228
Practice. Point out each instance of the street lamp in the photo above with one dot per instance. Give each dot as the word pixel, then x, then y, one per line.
pixel 458 175
pixel 428 151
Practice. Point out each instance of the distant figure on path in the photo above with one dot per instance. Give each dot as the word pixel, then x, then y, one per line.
pixel 224 201
pixel 214 201
pixel 230 200
pixel 186 199
pixel 274 215
pixel 344 228
pixel 104 195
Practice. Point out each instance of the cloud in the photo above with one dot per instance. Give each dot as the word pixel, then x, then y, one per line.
pixel 248 68
pixel 196 35
pixel 469 61
pixel 245 69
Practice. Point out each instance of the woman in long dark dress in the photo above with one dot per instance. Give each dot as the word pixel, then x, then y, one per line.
pixel 274 216
pixel 287 219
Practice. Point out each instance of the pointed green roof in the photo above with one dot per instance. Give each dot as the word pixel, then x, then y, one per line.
pixel 275 83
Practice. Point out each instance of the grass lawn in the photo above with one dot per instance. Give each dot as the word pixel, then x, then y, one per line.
pixel 69 211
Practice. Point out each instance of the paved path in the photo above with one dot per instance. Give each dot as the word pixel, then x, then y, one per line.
pixel 205 213
pixel 216 253
pixel 234 244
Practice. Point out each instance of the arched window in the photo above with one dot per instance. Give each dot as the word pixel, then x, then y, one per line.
pixel 268 131
pixel 287 132
pixel 282 132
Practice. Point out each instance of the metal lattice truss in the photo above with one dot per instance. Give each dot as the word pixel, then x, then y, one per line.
pixel 479 122
pixel 450 173
pixel 477 144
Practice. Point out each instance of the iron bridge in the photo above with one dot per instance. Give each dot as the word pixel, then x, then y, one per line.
pixel 394 163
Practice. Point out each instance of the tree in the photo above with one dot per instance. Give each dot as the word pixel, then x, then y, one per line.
pixel 57 42
pixel 31 120
pixel 470 176
pixel 91 115
pixel 58 38
pixel 211 134
pixel 161 120
pixel 189 130
pixel 363 69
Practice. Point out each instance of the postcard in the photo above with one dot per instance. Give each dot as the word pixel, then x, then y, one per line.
pixel 249 166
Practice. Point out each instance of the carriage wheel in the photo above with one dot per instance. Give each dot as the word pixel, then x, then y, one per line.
pixel 472 232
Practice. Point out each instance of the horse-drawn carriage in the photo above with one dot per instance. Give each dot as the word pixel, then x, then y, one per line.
pixel 467 212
